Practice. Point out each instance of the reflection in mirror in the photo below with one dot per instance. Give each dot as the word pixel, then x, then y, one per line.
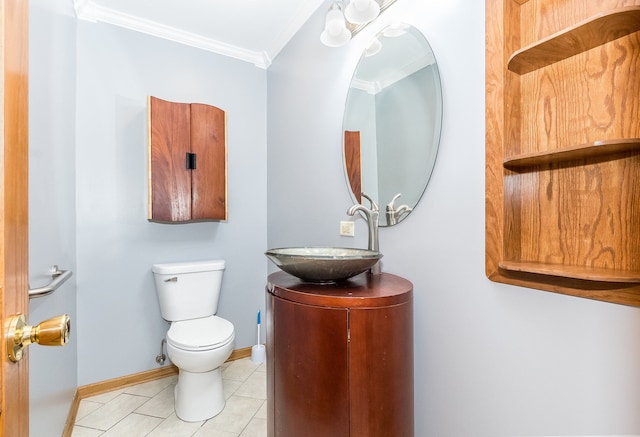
pixel 392 122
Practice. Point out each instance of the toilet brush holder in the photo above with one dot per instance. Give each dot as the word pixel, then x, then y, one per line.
pixel 258 353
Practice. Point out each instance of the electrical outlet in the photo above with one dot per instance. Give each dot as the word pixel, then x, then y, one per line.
pixel 347 229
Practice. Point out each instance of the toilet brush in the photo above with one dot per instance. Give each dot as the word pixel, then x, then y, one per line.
pixel 258 342
pixel 258 351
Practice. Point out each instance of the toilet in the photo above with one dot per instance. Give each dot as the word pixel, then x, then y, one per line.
pixel 198 341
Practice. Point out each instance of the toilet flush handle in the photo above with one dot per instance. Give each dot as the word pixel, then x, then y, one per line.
pixel 174 279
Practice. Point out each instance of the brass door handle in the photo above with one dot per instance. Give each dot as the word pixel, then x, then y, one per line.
pixel 52 332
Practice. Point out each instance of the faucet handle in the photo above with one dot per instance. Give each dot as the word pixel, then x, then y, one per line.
pixel 374 205
pixel 390 206
pixel 393 214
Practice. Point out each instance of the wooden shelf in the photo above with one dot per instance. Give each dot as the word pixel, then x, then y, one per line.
pixel 588 34
pixel 582 151
pixel 575 272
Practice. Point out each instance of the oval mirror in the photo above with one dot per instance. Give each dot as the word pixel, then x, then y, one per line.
pixel 392 122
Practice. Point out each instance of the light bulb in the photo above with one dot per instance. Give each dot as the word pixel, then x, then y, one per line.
pixel 373 48
pixel 335 32
pixel 334 23
pixel 361 11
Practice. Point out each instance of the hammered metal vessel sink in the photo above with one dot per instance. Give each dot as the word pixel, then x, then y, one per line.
pixel 323 264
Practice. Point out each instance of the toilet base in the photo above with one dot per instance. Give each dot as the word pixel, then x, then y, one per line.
pixel 199 396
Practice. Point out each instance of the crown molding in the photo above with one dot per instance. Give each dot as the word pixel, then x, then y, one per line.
pixel 89 11
pixel 374 87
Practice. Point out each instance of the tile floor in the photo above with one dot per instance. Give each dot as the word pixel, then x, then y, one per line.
pixel 147 409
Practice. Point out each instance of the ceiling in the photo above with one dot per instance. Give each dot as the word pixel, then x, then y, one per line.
pixel 250 30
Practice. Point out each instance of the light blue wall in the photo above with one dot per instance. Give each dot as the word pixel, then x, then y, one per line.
pixel 52 112
pixel 490 359
pixel 120 327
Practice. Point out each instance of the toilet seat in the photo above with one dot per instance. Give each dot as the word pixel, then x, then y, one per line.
pixel 201 334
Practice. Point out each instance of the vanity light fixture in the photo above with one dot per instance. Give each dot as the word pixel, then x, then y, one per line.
pixel 344 20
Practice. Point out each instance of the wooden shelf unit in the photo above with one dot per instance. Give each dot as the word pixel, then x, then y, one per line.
pixel 563 147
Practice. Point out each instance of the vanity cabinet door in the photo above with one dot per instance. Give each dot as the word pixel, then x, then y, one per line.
pixel 310 370
pixel 381 371
pixel 187 162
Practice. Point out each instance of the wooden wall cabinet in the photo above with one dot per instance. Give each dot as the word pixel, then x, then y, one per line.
pixel 340 357
pixel 563 146
pixel 187 162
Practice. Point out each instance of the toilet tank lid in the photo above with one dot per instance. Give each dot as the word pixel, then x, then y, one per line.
pixel 188 267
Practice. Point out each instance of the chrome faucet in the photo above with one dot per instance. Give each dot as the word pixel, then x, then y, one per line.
pixel 371 216
pixel 393 214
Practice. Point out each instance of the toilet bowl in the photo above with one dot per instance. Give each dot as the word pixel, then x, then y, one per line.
pixel 198 348
pixel 198 341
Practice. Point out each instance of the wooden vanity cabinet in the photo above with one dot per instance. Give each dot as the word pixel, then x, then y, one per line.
pixel 187 162
pixel 563 146
pixel 340 357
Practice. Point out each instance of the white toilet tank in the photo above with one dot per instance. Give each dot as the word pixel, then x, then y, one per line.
pixel 188 290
